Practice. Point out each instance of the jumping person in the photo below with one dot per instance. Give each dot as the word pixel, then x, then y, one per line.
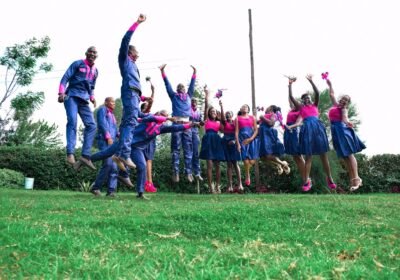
pixel 211 145
pixel 181 110
pixel 75 90
pixel 247 144
pixel 131 95
pixel 147 129
pixel 229 147
pixel 291 136
pixel 271 148
pixel 151 147
pixel 345 140
pixel 195 116
pixel 312 138
pixel 107 132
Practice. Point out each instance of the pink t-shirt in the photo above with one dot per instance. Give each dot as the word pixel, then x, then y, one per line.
pixel 335 114
pixel 245 122
pixel 212 125
pixel 309 111
pixel 229 128
pixel 292 116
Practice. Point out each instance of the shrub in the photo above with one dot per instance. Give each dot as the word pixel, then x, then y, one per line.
pixel 11 179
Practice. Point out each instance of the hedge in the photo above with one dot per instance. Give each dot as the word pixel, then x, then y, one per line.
pixel 380 173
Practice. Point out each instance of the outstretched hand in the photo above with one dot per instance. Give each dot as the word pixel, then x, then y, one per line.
pixel 141 18
pixel 194 69
pixel 161 67
pixel 309 77
pixel 292 79
pixel 220 103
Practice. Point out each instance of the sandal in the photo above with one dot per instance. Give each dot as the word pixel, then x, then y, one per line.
pixel 279 169
pixel 286 167
pixel 356 186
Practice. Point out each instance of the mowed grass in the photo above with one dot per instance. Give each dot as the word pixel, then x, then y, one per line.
pixel 71 235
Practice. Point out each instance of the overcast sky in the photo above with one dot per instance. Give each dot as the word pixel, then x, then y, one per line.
pixel 355 40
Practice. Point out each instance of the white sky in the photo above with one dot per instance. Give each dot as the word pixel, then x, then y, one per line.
pixel 355 40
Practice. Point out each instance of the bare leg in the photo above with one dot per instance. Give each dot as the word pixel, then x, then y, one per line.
pixel 247 170
pixel 325 164
pixel 346 161
pixel 238 175
pixel 209 175
pixel 299 160
pixel 218 176
pixel 307 168
pixel 229 174
pixel 149 167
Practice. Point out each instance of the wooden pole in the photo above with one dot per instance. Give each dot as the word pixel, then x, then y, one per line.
pixel 253 90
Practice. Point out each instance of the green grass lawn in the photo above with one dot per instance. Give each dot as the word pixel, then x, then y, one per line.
pixel 71 235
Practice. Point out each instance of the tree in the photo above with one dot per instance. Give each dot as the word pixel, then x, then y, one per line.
pixel 38 133
pixel 21 63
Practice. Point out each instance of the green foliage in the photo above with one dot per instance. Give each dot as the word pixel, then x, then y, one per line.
pixel 25 104
pixel 11 179
pixel 21 63
pixel 38 134
pixel 22 59
pixel 380 173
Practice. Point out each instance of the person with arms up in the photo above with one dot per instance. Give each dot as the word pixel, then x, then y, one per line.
pixel 131 95
pixel 181 110
pixel 345 140
pixel 312 138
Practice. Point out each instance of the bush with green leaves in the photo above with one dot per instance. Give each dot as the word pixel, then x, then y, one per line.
pixel 380 173
pixel 11 179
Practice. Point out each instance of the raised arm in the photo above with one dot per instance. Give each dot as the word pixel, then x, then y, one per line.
pixel 237 135
pixel 206 91
pixel 316 91
pixel 296 103
pixel 168 87
pixel 223 120
pixel 331 92
pixel 192 82
pixel 124 48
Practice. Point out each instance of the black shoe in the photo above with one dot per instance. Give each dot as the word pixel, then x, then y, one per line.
pixel 96 192
pixel 87 162
pixel 111 194
pixel 125 181
pixel 142 197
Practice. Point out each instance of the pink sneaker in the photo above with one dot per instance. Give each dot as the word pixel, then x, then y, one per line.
pixel 152 188
pixel 147 186
pixel 307 186
pixel 331 184
pixel 247 182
